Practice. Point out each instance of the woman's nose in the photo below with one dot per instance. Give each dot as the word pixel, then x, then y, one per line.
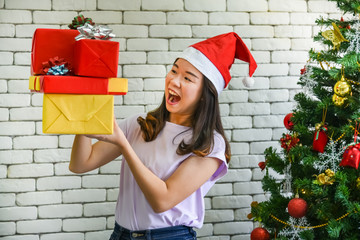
pixel 176 81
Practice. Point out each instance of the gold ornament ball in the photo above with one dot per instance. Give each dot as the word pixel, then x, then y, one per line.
pixel 318 126
pixel 338 101
pixel 342 88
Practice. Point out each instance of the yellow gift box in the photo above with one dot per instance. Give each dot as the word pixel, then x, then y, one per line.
pixel 34 83
pixel 78 114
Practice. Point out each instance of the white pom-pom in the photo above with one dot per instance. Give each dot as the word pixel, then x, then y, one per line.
pixel 248 81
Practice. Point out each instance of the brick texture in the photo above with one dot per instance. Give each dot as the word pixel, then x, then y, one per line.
pixel 42 200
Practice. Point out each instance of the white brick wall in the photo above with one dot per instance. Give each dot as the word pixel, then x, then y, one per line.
pixel 41 200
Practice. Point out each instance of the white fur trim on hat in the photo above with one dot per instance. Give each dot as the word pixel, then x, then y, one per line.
pixel 205 66
pixel 248 81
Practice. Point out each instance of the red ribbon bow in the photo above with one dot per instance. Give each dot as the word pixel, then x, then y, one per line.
pixel 55 61
pixel 79 21
pixel 262 165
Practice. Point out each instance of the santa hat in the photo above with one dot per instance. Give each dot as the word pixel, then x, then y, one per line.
pixel 213 58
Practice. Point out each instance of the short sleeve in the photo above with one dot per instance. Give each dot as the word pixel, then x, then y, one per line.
pixel 219 153
pixel 127 123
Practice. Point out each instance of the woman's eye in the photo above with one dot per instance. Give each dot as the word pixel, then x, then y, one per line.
pixel 188 79
pixel 173 71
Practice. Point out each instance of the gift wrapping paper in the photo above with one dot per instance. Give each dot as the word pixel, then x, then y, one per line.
pixel 78 114
pixel 78 85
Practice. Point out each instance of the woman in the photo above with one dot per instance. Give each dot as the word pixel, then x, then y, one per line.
pixel 171 157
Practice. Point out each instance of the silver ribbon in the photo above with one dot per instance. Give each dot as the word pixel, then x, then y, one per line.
pixel 89 31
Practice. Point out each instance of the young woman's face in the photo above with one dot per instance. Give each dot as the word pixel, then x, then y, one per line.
pixel 183 88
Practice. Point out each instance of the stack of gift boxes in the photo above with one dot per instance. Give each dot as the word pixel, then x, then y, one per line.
pixel 78 77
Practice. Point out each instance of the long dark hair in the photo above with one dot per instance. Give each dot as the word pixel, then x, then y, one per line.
pixel 204 121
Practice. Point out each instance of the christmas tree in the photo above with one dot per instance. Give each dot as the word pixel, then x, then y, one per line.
pixel 319 196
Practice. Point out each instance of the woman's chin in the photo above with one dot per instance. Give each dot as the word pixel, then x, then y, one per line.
pixel 172 108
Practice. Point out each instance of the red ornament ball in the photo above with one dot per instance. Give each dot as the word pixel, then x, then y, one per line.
pixel 297 207
pixel 287 121
pixel 260 234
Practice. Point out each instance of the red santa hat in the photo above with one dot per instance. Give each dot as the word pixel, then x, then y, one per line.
pixel 214 57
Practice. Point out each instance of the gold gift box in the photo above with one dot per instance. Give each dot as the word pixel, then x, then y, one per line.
pixel 78 114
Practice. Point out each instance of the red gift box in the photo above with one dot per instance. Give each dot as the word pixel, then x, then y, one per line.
pixel 351 156
pixel 50 43
pixel 96 58
pixel 78 85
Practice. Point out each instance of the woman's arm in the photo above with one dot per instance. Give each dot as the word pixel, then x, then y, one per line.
pixel 164 195
pixel 86 157
pixel 161 195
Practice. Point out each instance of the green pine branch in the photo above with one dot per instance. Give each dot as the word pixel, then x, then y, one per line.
pixel 348 6
pixel 333 205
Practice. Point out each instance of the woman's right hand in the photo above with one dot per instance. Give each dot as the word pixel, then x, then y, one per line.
pixel 117 138
pixel 86 156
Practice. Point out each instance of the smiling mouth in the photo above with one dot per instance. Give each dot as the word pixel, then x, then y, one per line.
pixel 173 97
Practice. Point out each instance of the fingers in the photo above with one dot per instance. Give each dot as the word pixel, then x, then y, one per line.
pixel 95 136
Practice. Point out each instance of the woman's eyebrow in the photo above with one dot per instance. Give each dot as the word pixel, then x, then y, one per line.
pixel 188 72
pixel 192 74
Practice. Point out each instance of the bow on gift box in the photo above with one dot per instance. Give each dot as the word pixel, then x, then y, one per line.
pixel 98 32
pixel 56 66
pixel 58 70
pixel 79 21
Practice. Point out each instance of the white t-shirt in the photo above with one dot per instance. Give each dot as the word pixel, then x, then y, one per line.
pixel 133 210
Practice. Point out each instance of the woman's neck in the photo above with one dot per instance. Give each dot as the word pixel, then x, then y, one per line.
pixel 184 120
